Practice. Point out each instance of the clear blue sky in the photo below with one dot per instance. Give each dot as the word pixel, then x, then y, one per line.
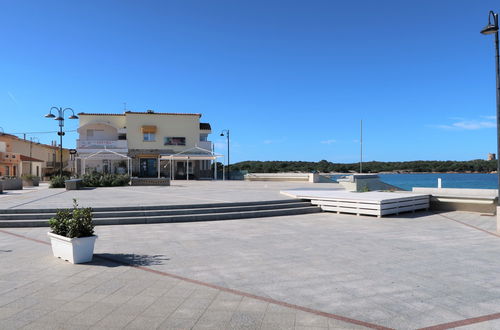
pixel 290 79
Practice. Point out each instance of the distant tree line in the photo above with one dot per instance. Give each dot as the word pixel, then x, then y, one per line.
pixel 477 165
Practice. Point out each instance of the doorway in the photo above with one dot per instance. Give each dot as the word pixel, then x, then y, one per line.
pixel 148 167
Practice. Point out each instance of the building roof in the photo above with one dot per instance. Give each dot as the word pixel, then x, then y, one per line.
pixel 139 113
pixel 27 159
pixel 205 126
pixel 100 114
pixel 27 141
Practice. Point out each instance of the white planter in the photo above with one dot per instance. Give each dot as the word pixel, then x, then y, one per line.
pixel 75 250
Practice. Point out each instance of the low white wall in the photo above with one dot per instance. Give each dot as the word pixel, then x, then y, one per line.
pixel 458 199
pixel 304 177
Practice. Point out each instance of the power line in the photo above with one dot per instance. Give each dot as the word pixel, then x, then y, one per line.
pixel 29 133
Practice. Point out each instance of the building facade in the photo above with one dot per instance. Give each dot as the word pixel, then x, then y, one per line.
pixel 145 144
pixel 19 156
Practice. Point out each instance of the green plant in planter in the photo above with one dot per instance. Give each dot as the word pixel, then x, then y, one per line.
pixel 29 177
pixel 57 181
pixel 71 223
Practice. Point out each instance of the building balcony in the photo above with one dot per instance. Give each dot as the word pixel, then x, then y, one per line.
pixel 101 144
pixel 55 164
pixel 207 145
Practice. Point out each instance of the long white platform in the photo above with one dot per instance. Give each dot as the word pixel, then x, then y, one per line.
pixel 376 203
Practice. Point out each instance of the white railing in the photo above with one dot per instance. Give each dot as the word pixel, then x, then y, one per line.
pixel 101 144
pixel 205 145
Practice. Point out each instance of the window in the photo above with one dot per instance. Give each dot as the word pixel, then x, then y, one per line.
pixel 149 137
pixel 90 132
pixel 174 141
pixel 122 136
pixel 203 137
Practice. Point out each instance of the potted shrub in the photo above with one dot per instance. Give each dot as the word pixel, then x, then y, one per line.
pixel 72 234
pixel 30 180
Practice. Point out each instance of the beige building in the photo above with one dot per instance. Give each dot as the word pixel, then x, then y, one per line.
pixel 145 144
pixel 19 156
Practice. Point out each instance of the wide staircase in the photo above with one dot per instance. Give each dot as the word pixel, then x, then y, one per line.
pixel 165 213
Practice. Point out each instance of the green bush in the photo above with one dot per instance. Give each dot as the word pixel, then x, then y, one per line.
pixel 104 180
pixel 29 177
pixel 76 222
pixel 57 181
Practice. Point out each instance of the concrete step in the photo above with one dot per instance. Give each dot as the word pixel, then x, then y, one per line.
pixel 155 207
pixel 150 213
pixel 176 218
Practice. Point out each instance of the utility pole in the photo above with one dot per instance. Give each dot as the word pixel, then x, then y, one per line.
pixel 361 148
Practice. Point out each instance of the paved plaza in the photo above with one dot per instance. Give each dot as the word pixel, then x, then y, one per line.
pixel 316 271
pixel 180 192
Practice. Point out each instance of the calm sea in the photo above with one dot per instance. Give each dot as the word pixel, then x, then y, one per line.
pixel 449 180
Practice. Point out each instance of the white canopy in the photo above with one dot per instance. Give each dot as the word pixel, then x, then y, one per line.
pixel 106 154
pixel 188 154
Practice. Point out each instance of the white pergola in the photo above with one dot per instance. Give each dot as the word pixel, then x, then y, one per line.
pixel 106 154
pixel 195 153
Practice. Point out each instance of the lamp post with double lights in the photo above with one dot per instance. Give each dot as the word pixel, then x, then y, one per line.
pixel 60 118
pixel 225 132
pixel 492 28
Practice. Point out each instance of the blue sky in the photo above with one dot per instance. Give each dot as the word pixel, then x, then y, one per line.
pixel 290 79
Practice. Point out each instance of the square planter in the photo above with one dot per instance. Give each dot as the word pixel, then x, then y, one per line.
pixel 31 182
pixel 75 250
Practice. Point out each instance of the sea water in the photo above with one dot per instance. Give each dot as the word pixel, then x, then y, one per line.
pixel 449 180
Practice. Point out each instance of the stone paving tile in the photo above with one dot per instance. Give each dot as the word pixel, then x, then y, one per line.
pixel 285 319
pixel 411 278
pixel 310 320
pixel 115 320
pixel 145 322
pixel 177 323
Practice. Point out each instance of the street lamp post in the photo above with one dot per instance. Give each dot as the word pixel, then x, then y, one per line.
pixel 492 28
pixel 226 131
pixel 60 118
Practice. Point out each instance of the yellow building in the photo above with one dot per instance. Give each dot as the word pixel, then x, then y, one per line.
pixel 19 156
pixel 145 144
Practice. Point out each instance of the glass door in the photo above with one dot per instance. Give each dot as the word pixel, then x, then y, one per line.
pixel 148 167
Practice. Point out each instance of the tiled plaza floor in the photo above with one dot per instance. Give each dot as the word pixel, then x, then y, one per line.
pixel 180 192
pixel 296 272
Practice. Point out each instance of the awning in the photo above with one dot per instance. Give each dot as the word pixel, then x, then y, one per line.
pixel 148 129
pixel 195 153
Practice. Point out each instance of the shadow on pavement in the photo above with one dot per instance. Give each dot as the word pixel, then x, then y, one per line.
pixel 129 259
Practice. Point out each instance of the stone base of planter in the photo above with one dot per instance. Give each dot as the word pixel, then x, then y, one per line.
pixel 150 182
pixel 31 183
pixel 12 183
pixel 74 184
pixel 75 250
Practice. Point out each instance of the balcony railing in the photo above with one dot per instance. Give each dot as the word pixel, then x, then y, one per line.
pixel 55 164
pixel 205 145
pixel 101 144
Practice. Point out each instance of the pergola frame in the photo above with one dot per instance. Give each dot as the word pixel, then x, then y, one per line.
pixel 203 154
pixel 129 160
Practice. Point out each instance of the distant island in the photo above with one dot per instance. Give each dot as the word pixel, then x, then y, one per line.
pixel 323 166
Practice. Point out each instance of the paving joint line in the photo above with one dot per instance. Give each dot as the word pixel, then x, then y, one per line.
pixel 224 289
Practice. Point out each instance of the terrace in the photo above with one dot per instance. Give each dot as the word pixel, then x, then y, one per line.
pixel 320 270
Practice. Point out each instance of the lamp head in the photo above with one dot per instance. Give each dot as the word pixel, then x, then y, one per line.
pixel 59 118
pixel 73 117
pixel 49 115
pixel 490 29
pixel 221 134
